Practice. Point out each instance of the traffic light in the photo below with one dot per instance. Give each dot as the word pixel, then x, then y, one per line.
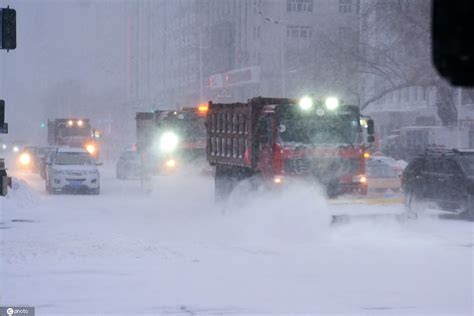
pixel 2 112
pixel 3 125
pixel 7 28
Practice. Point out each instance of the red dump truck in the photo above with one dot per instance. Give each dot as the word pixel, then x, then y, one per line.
pixel 277 140
pixel 74 132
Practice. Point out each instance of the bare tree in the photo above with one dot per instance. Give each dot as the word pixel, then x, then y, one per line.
pixel 395 50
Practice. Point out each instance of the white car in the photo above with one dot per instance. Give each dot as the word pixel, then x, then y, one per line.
pixel 72 169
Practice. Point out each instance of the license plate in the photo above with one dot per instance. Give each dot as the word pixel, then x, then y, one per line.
pixel 75 183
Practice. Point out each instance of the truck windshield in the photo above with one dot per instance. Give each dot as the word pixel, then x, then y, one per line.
pixel 311 128
pixel 73 159
pixel 194 129
pixel 74 132
pixel 187 129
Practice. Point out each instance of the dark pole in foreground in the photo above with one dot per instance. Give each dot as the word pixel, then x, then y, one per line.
pixel 7 41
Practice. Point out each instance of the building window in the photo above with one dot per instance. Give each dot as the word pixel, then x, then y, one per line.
pixel 345 6
pixel 299 5
pixel 299 31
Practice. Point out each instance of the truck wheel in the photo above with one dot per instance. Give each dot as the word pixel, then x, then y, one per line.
pixel 249 184
pixel 224 183
pixel 468 211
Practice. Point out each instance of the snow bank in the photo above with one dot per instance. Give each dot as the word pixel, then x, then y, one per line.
pixel 20 196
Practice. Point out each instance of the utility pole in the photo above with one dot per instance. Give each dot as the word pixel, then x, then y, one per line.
pixel 281 23
pixel 282 53
pixel 200 64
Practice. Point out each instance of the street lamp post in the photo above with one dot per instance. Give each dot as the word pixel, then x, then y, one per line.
pixel 281 23
pixel 200 65
pixel 282 56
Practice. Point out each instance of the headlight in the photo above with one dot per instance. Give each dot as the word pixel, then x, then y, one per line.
pixel 25 159
pixel 171 163
pixel 306 103
pixel 278 179
pixel 90 149
pixel 359 179
pixel 331 103
pixel 16 149
pixel 168 142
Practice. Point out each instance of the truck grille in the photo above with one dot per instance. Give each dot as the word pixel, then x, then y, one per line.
pixel 322 168
pixel 297 166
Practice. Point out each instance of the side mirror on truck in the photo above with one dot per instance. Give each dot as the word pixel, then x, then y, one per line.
pixel 370 127
pixel 370 131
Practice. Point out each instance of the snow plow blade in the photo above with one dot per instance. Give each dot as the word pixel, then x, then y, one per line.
pixel 361 209
pixel 368 201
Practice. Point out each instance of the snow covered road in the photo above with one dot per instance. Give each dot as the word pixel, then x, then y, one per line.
pixel 175 252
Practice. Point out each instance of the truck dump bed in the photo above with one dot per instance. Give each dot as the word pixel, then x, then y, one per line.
pixel 231 131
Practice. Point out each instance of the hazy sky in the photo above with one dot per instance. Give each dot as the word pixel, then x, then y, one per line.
pixel 80 44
